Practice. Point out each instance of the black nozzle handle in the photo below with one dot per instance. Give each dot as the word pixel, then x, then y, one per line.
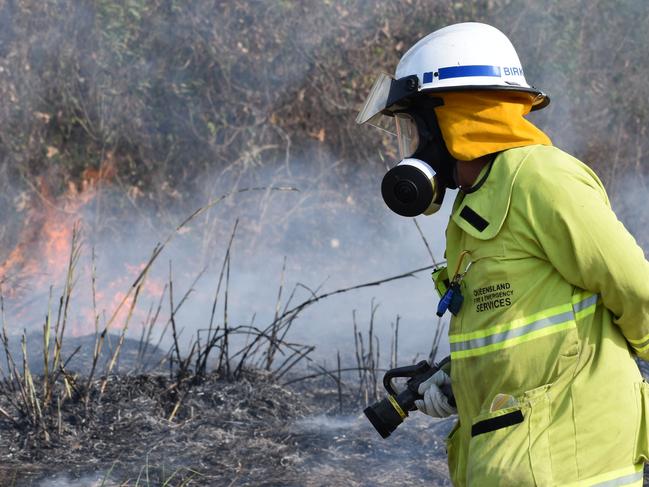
pixel 422 368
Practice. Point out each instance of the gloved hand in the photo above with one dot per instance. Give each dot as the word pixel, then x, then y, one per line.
pixel 435 403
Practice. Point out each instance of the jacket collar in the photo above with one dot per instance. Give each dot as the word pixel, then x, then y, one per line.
pixel 481 214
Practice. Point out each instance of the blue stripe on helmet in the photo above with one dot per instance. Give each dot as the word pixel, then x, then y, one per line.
pixel 466 71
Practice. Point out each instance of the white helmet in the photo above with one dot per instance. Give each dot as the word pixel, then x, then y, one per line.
pixel 466 56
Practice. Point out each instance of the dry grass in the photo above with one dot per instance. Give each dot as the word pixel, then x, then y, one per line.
pixel 67 412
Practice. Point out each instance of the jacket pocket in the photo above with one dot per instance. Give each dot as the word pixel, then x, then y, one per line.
pixel 510 447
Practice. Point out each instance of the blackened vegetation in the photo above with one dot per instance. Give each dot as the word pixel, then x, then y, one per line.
pixel 252 432
pixel 193 427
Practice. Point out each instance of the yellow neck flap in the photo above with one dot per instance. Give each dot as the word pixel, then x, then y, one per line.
pixel 476 123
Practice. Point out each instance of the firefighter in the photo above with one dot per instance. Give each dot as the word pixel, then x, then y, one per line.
pixel 548 292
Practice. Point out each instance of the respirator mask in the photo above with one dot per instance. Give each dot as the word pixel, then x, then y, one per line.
pixel 418 183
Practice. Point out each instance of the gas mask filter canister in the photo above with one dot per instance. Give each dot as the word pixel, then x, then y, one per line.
pixel 412 188
pixel 417 184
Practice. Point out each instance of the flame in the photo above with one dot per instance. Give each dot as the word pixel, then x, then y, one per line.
pixel 41 257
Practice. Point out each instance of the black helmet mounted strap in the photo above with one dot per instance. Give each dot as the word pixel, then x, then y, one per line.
pixel 401 90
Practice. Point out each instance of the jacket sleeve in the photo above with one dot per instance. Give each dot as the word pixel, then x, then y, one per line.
pixel 575 228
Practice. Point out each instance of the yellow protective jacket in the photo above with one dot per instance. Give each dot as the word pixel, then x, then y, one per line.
pixel 556 303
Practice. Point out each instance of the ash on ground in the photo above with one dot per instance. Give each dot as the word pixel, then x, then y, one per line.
pixel 250 432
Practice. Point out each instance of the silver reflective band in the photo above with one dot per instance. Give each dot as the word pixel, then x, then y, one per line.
pixel 421 165
pixel 582 305
pixel 626 480
pixel 513 333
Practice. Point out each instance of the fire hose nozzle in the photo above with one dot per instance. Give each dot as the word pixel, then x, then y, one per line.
pixel 387 414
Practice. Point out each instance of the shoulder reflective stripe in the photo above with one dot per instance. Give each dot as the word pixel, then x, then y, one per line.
pixel 624 476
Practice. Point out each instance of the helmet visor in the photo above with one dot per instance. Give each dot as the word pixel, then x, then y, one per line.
pixel 407 134
pixel 376 101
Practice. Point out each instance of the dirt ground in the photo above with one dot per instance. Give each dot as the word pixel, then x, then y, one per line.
pixel 248 433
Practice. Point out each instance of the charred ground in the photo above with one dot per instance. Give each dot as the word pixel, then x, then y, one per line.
pixel 252 432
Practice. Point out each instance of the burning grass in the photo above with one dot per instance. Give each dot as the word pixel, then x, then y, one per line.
pixel 210 413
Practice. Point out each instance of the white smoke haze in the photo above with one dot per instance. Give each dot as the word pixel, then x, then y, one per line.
pixel 97 480
pixel 329 242
pixel 317 423
pixel 334 232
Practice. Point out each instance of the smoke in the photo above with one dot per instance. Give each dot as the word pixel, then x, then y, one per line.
pixel 184 104
pixel 95 480
pixel 128 117
pixel 324 422
pixel 629 200
pixel 329 239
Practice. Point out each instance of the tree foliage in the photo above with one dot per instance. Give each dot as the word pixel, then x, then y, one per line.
pixel 166 91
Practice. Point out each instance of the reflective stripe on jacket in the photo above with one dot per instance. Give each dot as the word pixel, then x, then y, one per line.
pixel 556 299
